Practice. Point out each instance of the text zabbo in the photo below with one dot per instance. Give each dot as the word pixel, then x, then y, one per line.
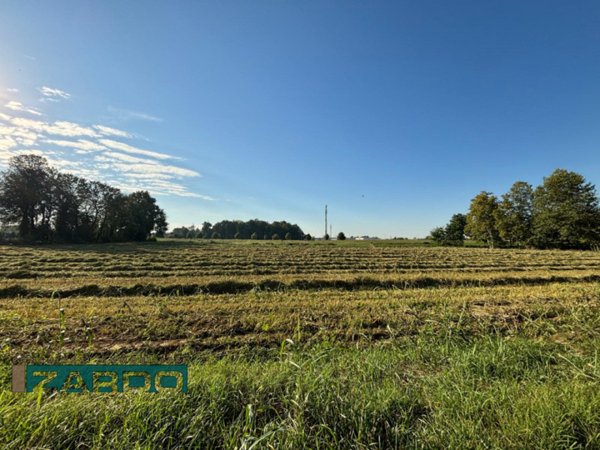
pixel 101 378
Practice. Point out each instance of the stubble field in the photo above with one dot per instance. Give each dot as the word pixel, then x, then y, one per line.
pixel 307 345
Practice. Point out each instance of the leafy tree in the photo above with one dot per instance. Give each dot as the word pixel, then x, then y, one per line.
pixel 254 236
pixel 206 230
pixel 308 237
pixel 25 195
pixel 326 236
pixel 341 236
pixel 514 216
pixel 228 229
pixel 112 214
pixel 49 205
pixel 142 214
pixel 481 219
pixel 275 237
pixel 288 236
pixel 454 233
pixel 565 212
pixel 67 202
pixel 216 235
pixel 438 234
pixel 237 235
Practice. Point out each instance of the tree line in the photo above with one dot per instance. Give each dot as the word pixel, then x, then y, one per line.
pixel 563 212
pixel 46 205
pixel 238 229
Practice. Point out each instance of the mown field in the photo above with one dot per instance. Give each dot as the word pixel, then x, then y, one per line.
pixel 307 345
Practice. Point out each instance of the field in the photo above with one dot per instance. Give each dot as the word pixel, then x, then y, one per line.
pixel 307 344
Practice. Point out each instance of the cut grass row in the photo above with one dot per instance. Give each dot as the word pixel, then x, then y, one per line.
pixel 220 258
pixel 181 326
pixel 59 287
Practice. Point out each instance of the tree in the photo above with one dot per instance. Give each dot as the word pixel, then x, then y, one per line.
pixel 341 236
pixel 67 199
pixel 308 237
pixel 275 237
pixel 514 216
pixel 160 223
pixel 565 212
pixel 25 195
pixel 206 230
pixel 481 219
pixel 288 236
pixel 48 205
pixel 142 215
pixel 454 233
pixel 438 234
pixel 112 214
pixel 237 235
pixel 216 235
pixel 326 236
pixel 254 236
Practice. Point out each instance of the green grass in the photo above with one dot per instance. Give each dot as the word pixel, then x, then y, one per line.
pixel 486 393
pixel 499 349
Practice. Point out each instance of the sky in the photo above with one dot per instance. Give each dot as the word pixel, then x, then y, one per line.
pixel 393 113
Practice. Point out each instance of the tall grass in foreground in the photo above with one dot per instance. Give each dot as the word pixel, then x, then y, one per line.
pixel 490 392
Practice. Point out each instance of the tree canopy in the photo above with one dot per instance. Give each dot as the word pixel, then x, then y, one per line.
pixel 563 212
pixel 238 229
pixel 50 206
pixel 515 214
pixel 481 219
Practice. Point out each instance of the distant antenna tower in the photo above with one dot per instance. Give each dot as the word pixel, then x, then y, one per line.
pixel 330 231
pixel 325 221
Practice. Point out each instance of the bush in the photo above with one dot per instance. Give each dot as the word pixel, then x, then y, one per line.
pixel 275 237
pixel 341 236
pixel 254 236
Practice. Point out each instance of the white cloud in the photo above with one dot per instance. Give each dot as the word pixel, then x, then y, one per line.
pixel 81 144
pixel 18 106
pixel 53 94
pixel 31 151
pixel 13 90
pixel 130 159
pixel 58 128
pixel 150 168
pixel 125 114
pixel 156 169
pixel 6 143
pixel 21 136
pixel 92 151
pixel 108 131
pixel 150 177
pixel 63 128
pixel 130 149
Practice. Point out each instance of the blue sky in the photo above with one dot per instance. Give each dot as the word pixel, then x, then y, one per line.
pixel 395 114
